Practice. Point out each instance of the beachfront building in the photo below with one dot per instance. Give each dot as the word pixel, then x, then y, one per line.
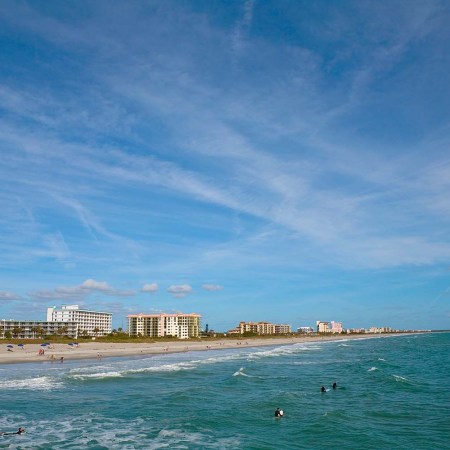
pixel 233 331
pixel 381 330
pixel 323 327
pixel 262 328
pixel 305 330
pixel 33 329
pixel 90 323
pixel 336 327
pixel 182 326
pixel 282 329
pixel 356 330
pixel 248 327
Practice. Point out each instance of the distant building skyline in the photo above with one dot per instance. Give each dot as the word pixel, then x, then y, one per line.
pixel 73 321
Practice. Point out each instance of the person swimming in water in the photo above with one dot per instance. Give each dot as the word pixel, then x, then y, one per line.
pixel 21 430
pixel 335 385
pixel 278 412
pixel 322 389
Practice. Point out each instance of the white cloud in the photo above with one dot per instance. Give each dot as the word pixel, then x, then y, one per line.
pixel 152 287
pixel 96 285
pixel 180 290
pixel 212 287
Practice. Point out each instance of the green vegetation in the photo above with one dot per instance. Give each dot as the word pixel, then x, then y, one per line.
pixel 122 337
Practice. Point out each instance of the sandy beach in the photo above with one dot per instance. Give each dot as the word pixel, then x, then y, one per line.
pixel 96 350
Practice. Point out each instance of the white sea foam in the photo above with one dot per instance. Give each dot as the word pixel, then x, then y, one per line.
pixel 90 368
pixel 188 365
pixel 37 383
pixel 176 437
pixel 123 373
pixel 117 434
pixel 155 365
pixel 222 358
pixel 306 363
pixel 401 379
pixel 176 367
pixel 283 351
pixel 241 373
pixel 372 369
pixel 100 375
pixel 129 368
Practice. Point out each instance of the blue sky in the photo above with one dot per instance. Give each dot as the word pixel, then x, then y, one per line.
pixel 285 161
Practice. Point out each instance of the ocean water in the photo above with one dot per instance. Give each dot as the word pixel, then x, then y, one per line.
pixel 394 393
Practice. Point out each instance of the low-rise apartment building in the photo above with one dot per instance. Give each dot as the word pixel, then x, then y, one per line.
pixel 381 330
pixel 182 326
pixel 282 329
pixel 33 329
pixel 262 328
pixel 305 330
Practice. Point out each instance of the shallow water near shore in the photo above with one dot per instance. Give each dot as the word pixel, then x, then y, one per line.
pixel 392 393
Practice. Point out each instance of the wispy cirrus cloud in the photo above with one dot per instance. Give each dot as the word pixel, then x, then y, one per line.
pixel 80 292
pixel 9 296
pixel 247 149
pixel 241 26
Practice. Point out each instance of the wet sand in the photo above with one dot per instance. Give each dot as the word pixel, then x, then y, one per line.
pixel 96 350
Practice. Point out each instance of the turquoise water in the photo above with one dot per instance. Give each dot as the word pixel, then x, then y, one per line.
pixel 394 394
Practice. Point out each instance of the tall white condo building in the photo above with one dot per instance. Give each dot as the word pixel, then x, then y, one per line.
pixel 92 323
pixel 182 326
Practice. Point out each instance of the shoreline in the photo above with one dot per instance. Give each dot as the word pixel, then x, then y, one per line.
pixel 99 350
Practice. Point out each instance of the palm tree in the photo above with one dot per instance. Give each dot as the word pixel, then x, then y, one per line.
pixel 63 330
pixel 96 330
pixel 40 331
pixel 35 331
pixel 16 331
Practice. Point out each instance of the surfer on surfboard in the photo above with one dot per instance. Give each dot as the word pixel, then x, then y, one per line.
pixel 21 430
